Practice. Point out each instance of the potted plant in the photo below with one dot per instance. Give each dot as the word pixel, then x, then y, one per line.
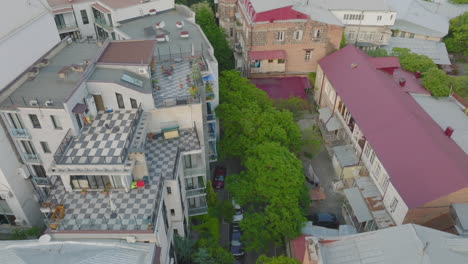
pixel 193 90
pixel 105 192
pixel 83 191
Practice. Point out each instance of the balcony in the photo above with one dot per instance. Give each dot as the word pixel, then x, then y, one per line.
pixel 211 136
pixel 194 172
pixel 41 181
pixel 20 133
pixel 211 117
pixel 195 192
pixel 31 158
pixel 209 96
pixel 103 24
pixel 63 28
pixel 198 211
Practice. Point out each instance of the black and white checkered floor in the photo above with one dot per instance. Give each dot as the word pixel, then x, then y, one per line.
pixel 170 85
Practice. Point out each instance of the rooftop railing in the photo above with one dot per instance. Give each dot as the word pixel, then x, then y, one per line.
pixel 20 132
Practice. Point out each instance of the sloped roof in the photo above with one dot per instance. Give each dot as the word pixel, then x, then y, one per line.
pixel 411 146
pixel 435 50
pixel 444 8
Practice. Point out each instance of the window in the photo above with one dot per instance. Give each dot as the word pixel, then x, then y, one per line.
pixel 379 18
pixel 372 36
pixel 270 61
pixel 134 104
pixel 45 147
pixel 372 158
pixel 411 35
pixel 351 35
pixel 176 232
pixel 110 19
pixel 391 17
pixel 363 35
pixel 35 121
pixel 39 171
pixel 307 55
pixel 402 34
pixel 377 171
pixel 113 36
pixel 172 212
pixel 384 183
pixel 298 35
pixel 393 205
pixel 367 150
pixel 346 17
pixel 231 32
pixel 56 122
pixel 256 64
pixel 84 16
pixel 120 100
pixel 169 190
pixel 279 36
pixel 280 61
pixel 317 33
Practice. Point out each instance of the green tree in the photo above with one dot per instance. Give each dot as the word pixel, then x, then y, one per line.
pixel 343 41
pixel 413 62
pixel 200 5
pixel 458 1
pixel 184 248
pixel 293 104
pixel 249 118
pixel 459 84
pixel 217 37
pixel 457 38
pixel 270 190
pixel 378 53
pixel 218 254
pixel 202 256
pixel 436 82
pixel 23 234
pixel 276 260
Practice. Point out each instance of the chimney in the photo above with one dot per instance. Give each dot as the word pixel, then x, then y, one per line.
pixel 448 131
pixel 417 74
pixel 402 82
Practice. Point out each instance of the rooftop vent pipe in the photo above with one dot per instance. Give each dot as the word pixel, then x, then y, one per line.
pixel 449 131
pixel 402 82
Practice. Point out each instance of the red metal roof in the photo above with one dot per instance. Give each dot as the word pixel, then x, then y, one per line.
pixel 422 162
pixel 267 54
pixel 101 8
pixel 385 62
pixel 284 13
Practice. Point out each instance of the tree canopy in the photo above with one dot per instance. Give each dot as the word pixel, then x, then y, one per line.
pixel 205 18
pixel 270 189
pixel 411 61
pixel 457 38
pixel 436 82
pixel 378 53
pixel 249 118
pixel 276 260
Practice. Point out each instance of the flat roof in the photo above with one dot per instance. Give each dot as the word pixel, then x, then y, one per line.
pixel 346 155
pixel 116 251
pixel 101 74
pixel 143 28
pixel 48 85
pixel 360 210
pixel 446 112
pixel 137 52
pixel 462 213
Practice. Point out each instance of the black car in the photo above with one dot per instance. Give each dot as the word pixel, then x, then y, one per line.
pixel 327 220
pixel 237 249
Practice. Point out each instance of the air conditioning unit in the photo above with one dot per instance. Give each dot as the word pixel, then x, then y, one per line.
pixel 49 103
pixel 5 194
pixel 69 40
pixel 24 172
pixel 33 103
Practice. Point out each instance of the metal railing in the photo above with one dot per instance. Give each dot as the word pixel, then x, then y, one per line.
pixel 178 100
pixel 103 23
pixel 211 117
pixel 31 158
pixel 41 181
pixel 192 172
pixel 211 136
pixel 195 192
pixel 63 27
pixel 209 96
pixel 20 132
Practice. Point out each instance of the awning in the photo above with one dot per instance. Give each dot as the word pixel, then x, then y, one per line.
pixel 79 108
pixel 101 8
pixel 208 78
pixel 333 123
pixel 267 55
pixel 345 155
pixel 62 10
pixel 353 195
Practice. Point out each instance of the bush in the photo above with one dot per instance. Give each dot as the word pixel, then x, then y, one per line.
pixel 23 234
pixel 209 228
pixel 293 104
pixel 436 82
pixel 378 53
pixel 312 77
pixel 312 141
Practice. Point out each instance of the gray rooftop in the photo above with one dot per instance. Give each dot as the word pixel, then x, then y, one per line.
pixel 462 214
pixel 143 28
pixel 101 74
pixel 345 155
pixel 446 112
pixel 444 8
pixel 413 17
pixel 76 251
pixel 318 11
pixel 433 49
pixel 47 85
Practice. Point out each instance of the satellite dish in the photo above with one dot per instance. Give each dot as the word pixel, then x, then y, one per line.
pixel 45 239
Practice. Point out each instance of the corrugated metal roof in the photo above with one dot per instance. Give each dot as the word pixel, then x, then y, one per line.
pixel 435 50
pixel 358 205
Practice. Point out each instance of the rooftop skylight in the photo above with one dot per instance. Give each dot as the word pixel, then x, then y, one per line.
pixel 132 80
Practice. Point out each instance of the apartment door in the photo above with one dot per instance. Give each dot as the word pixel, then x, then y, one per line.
pixel 99 103
pixel 28 147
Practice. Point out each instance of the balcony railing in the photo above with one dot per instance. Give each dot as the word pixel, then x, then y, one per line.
pixel 20 132
pixel 211 117
pixel 192 172
pixel 31 158
pixel 198 211
pixel 103 23
pixel 42 181
pixel 209 96
pixel 211 136
pixel 66 27
pixel 195 192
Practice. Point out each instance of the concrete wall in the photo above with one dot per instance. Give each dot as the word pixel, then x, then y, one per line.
pixel 370 17
pixel 142 9
pixel 372 34
pixel 184 115
pixel 21 23
pixel 85 29
pixel 22 201
pixel 108 91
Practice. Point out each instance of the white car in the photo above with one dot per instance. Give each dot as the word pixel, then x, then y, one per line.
pixel 238 216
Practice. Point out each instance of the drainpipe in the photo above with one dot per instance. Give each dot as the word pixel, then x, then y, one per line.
pixel 321 89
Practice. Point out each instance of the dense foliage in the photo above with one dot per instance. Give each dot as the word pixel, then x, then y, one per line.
pixel 205 18
pixel 436 82
pixel 411 61
pixel 458 1
pixel 276 260
pixel 378 53
pixel 457 39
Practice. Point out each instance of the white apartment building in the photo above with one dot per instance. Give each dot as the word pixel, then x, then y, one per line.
pixel 98 19
pixel 94 121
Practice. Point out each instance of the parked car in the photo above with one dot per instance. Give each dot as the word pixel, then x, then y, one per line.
pixel 327 220
pixel 238 212
pixel 219 177
pixel 237 249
